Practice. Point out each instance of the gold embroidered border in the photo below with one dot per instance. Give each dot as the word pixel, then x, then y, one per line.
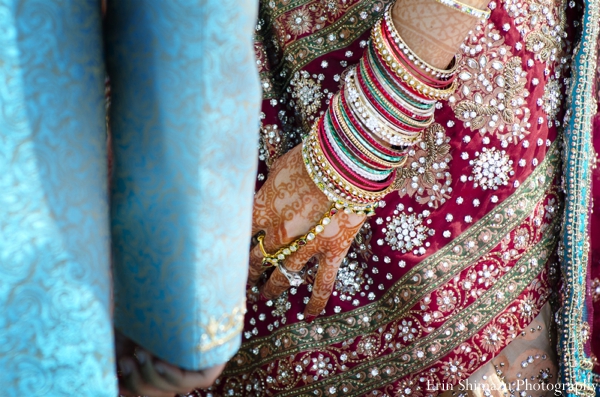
pixel 281 7
pixel 444 263
pixel 445 338
pixel 352 25
pixel 217 332
pixel 576 367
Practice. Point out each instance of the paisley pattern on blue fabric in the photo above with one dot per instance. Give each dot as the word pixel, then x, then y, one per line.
pixel 184 119
pixel 56 336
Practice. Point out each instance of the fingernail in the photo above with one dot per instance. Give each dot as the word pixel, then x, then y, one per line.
pixel 142 357
pixel 309 318
pixel 160 368
pixel 263 297
pixel 125 367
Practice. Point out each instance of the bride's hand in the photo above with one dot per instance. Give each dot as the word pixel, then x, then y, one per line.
pixel 287 206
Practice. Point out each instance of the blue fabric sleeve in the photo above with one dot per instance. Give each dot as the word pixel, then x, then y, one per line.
pixel 184 117
pixel 56 336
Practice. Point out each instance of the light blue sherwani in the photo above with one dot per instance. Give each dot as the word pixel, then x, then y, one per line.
pixel 184 123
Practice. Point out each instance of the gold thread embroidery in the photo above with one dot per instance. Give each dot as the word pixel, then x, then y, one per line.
pixel 217 332
pixel 461 253
pixel 426 176
pixel 492 94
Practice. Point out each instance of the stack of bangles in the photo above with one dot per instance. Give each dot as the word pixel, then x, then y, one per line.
pixel 353 150
pixel 388 100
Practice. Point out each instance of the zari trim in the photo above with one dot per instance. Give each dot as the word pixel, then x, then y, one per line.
pixel 575 366
pixel 449 260
pixel 335 36
pixel 217 332
pixel 401 362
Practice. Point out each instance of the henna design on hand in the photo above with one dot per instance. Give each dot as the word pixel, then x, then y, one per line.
pixel 286 207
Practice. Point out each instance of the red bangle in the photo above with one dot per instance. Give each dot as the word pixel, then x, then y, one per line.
pixel 365 134
pixel 387 115
pixel 338 165
pixel 352 147
pixel 370 75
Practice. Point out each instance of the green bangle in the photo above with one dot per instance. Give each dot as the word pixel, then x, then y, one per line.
pixel 356 161
pixel 383 75
pixel 384 103
pixel 361 140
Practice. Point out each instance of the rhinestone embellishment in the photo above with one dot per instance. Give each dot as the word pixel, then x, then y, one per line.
pixel 491 168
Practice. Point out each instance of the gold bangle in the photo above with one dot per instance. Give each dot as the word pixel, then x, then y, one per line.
pixel 466 9
pixel 314 142
pixel 340 203
pixel 345 129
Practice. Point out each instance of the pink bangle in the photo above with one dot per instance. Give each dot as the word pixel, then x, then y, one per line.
pixel 350 146
pixel 338 127
pixel 365 134
pixel 337 163
pixel 390 117
pixel 364 67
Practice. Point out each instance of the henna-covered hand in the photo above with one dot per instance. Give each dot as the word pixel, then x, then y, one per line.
pixel 287 206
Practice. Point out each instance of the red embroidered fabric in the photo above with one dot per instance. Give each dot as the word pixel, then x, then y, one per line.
pixel 459 260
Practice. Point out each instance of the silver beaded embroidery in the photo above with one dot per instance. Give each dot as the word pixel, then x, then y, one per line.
pixel 406 231
pixel 491 168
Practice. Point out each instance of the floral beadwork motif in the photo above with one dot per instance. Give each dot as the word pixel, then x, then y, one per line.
pixel 426 176
pixel 492 96
pixel 354 276
pixel 280 306
pixel 299 21
pixel 307 94
pixel 406 231
pixel 408 388
pixel 541 23
pixel 552 99
pixel 491 168
pixel 493 338
pixel 596 289
pixel 350 278
pixel 270 144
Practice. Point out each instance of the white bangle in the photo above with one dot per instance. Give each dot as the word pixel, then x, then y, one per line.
pixel 466 9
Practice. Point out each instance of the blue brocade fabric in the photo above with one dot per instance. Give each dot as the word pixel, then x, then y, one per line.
pixel 56 336
pixel 184 120
pixel 185 111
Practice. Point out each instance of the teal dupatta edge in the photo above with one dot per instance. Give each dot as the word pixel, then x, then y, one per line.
pixel 575 370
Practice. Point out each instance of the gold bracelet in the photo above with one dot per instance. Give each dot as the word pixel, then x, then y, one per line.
pixel 345 129
pixel 270 260
pixel 467 9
